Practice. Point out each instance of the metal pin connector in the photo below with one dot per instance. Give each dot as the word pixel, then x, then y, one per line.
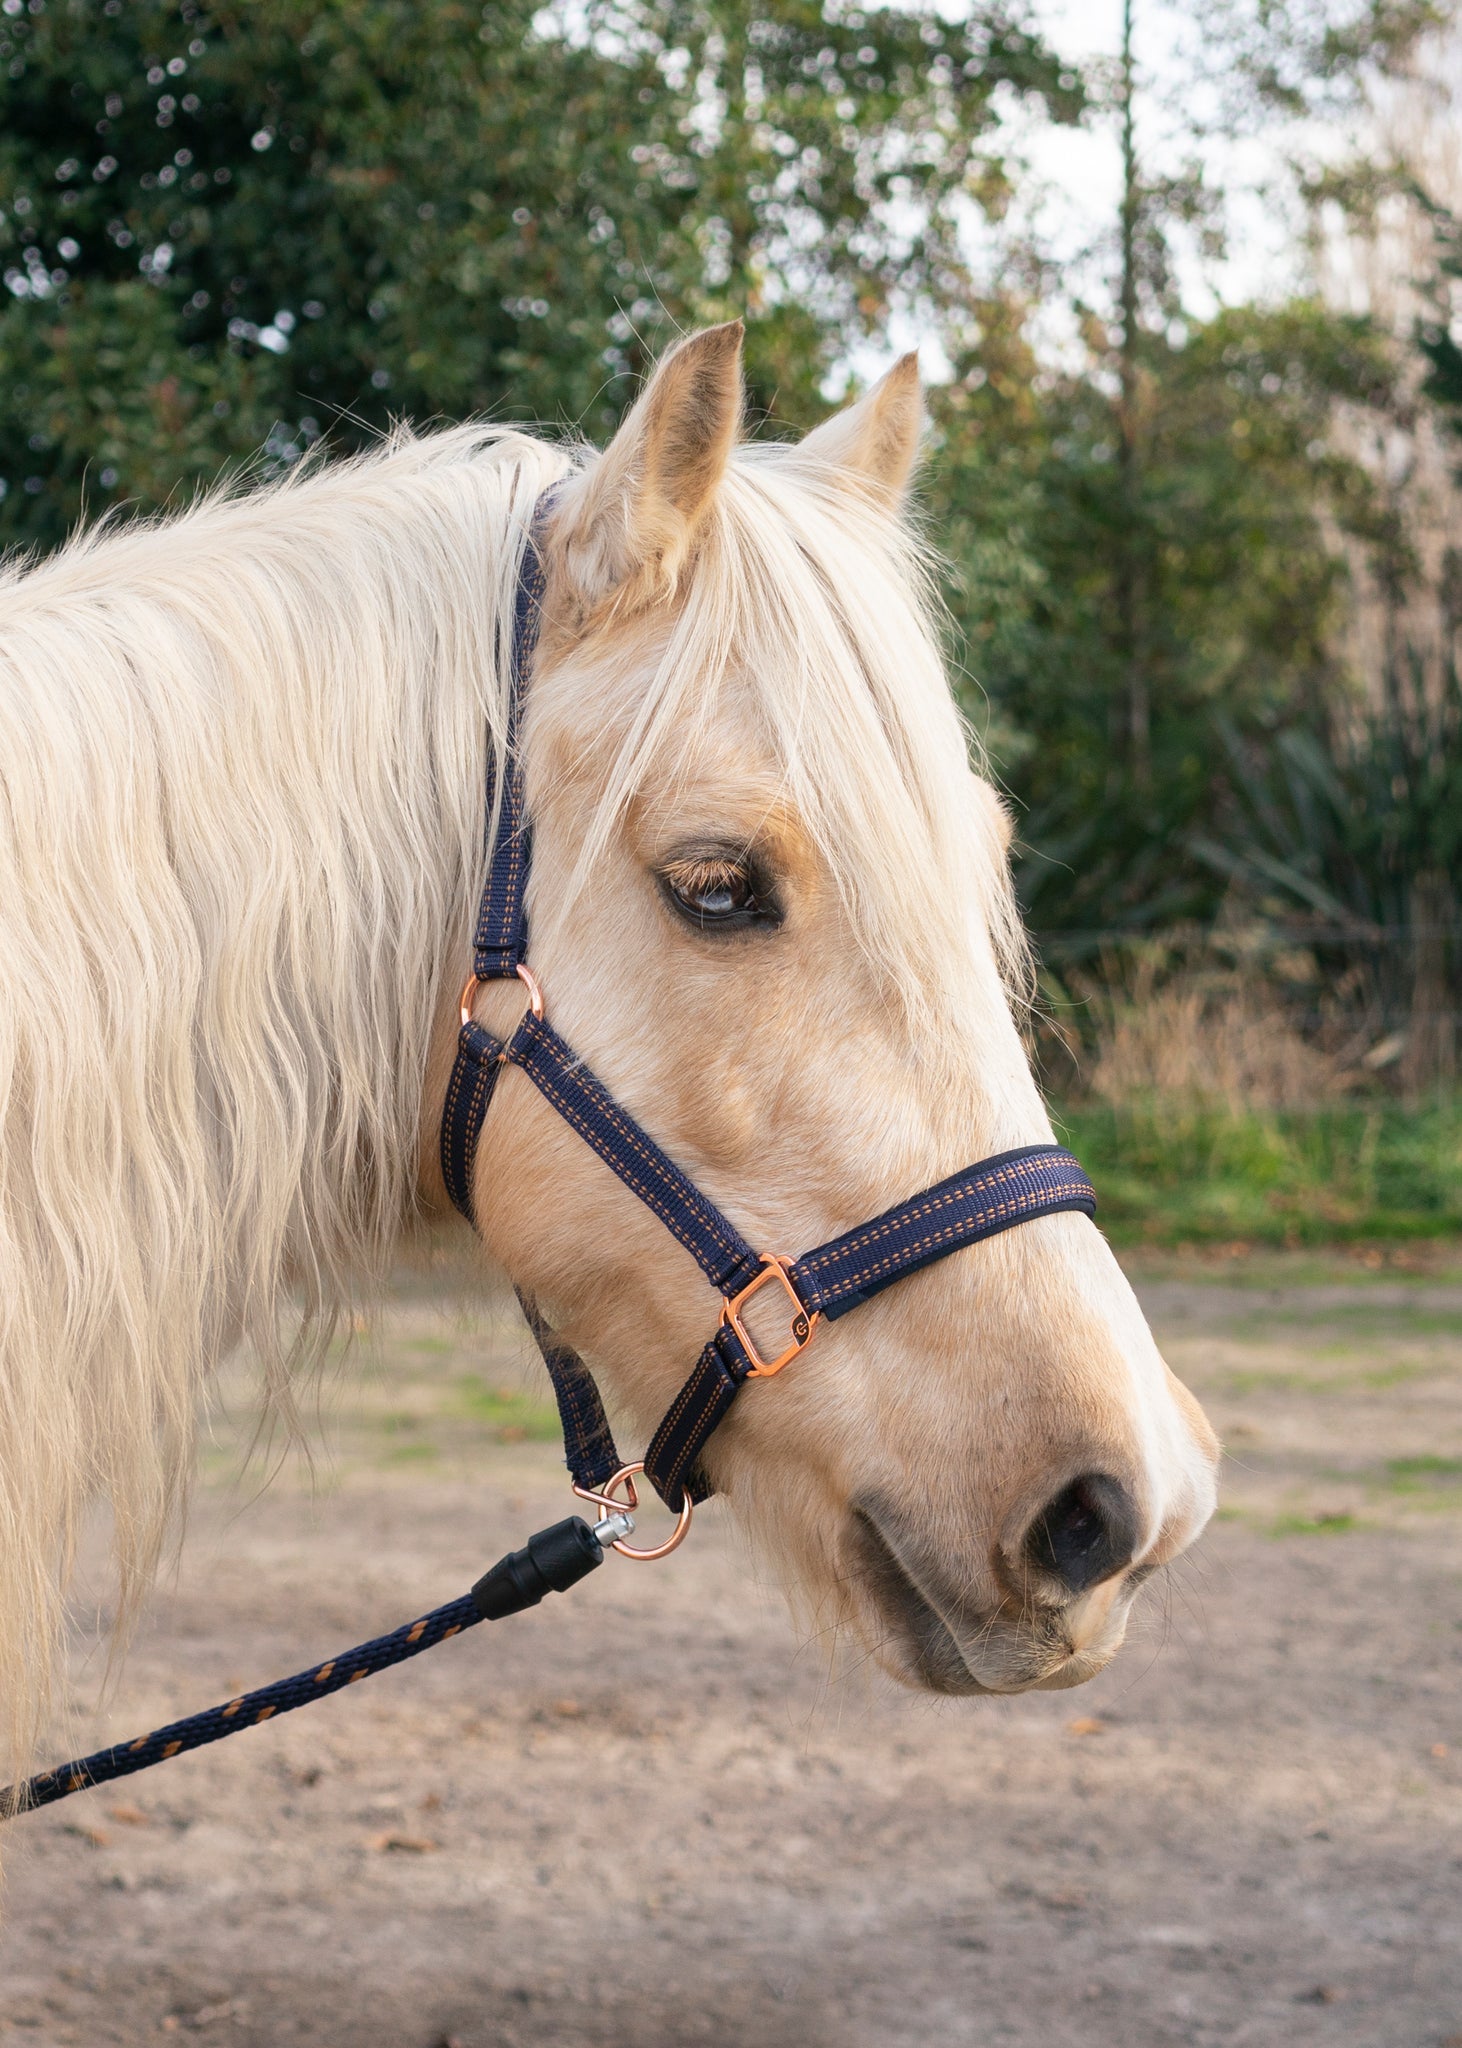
pixel 614 1528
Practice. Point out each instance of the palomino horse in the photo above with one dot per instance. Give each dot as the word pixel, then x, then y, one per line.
pixel 242 755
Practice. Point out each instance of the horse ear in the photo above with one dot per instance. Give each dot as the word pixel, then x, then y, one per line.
pixel 632 520
pixel 877 440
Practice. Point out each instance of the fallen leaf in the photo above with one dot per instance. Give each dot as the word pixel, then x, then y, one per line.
pixel 567 1710
pixel 1439 1750
pixel 130 1816
pixel 409 1845
pixel 1319 1994
pixel 431 1803
pixel 225 2009
pixel 1086 1724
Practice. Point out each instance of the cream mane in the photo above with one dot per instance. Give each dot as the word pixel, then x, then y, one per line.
pixel 241 768
pixel 241 760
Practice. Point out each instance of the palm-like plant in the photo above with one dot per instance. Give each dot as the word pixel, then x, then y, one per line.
pixel 1347 836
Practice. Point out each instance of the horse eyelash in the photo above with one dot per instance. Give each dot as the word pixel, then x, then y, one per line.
pixel 694 874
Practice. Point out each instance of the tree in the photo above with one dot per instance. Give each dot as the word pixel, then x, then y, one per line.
pixel 249 223
pixel 1240 586
pixel 1144 538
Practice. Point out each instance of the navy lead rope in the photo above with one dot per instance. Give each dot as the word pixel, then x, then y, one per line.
pixel 551 1562
pixel 978 1202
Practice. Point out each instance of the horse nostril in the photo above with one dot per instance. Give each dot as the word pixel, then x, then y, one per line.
pixel 1088 1532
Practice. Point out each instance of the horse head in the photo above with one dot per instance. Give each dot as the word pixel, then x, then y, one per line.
pixel 770 907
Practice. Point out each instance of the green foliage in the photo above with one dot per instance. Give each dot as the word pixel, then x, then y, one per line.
pixel 1149 535
pixel 1435 339
pixel 1223 524
pixel 1346 832
pixel 1343 816
pixel 1172 1173
pixel 239 226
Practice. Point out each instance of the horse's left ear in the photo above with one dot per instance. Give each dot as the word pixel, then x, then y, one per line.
pixel 626 528
pixel 877 440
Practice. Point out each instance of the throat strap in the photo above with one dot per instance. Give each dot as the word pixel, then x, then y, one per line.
pixel 588 1441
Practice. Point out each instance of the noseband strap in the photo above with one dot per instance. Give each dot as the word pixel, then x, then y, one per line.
pixel 978 1202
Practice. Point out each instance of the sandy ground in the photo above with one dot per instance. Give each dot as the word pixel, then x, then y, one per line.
pixel 647 1814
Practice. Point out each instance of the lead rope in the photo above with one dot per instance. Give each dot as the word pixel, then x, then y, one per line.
pixel 549 1562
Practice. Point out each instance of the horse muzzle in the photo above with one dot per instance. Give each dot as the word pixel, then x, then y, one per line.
pixel 1043 1614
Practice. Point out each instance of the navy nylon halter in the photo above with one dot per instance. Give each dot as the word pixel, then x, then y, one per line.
pixel 978 1202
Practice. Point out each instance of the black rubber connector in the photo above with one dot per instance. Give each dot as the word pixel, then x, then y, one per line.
pixel 552 1561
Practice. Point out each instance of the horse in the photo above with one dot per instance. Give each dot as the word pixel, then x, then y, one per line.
pixel 243 750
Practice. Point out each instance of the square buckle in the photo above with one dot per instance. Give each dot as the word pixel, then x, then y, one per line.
pixel 804 1320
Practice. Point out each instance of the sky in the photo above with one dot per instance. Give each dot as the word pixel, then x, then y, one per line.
pixel 1068 195
pixel 1082 168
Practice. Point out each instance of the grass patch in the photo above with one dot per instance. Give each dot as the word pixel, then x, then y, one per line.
pixel 1242 1380
pixel 1423 1475
pixel 1172 1173
pixel 1336 1524
pixel 511 1416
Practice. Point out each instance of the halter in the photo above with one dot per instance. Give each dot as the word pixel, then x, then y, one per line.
pixel 821 1285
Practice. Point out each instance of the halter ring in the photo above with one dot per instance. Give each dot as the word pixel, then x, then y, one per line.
pixel 525 974
pixel 804 1319
pixel 604 1498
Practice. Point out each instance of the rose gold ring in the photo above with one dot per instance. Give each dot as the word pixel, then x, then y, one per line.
pixel 525 974
pixel 604 1498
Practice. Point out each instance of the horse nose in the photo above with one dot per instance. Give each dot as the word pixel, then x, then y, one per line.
pixel 1086 1534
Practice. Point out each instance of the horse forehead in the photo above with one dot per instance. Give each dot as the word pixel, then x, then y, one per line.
pixel 716 769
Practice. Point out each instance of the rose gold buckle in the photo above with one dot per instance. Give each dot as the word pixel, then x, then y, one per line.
pixel 604 1498
pixel 525 974
pixel 804 1320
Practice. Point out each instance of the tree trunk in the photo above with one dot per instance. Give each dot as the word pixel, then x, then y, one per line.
pixel 1429 1063
pixel 1128 569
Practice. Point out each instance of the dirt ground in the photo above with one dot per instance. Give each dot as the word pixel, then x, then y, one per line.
pixel 646 1813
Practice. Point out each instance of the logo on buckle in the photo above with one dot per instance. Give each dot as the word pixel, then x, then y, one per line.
pixel 804 1320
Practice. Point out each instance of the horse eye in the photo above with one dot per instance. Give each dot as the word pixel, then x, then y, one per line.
pixel 718 892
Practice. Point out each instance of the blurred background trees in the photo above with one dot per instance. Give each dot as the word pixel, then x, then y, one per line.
pixel 246 225
pixel 1204 566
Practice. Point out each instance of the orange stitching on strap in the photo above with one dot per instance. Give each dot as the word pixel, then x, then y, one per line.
pixel 549 1087
pixel 1034 1197
pixel 876 1231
